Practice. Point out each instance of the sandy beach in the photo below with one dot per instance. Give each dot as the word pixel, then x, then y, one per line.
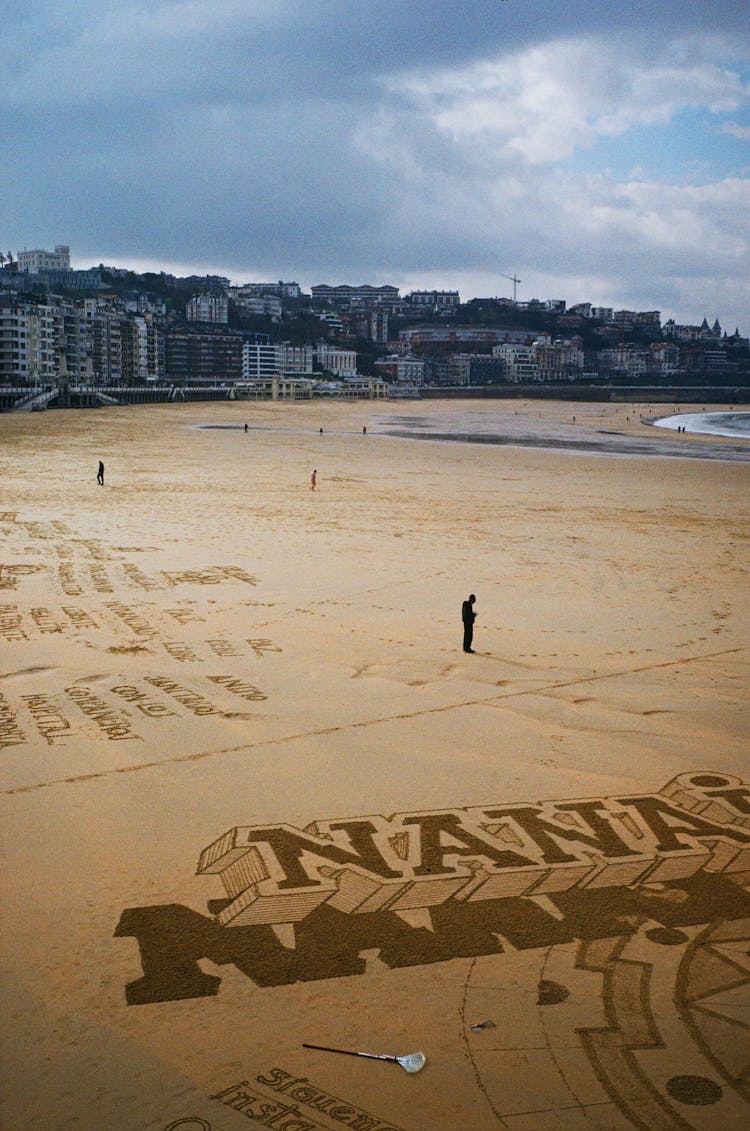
pixel 255 795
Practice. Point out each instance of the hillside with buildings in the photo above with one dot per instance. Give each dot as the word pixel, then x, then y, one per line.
pixel 158 335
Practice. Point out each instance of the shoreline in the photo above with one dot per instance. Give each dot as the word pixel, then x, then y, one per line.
pixel 554 428
pixel 589 447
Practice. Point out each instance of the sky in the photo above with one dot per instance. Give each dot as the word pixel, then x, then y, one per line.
pixel 597 151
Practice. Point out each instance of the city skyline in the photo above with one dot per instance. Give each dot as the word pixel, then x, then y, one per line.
pixel 596 161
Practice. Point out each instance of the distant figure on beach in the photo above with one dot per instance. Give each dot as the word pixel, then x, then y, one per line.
pixel 100 474
pixel 364 430
pixel 313 480
pixel 468 616
pixel 246 427
pixel 321 431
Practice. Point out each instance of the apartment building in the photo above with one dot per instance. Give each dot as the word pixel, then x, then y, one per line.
pixel 266 306
pixel 520 364
pixel 465 369
pixel 208 307
pixel 261 360
pixel 73 337
pixel 370 324
pixel 345 295
pixel 634 363
pixel 664 358
pixel 296 359
pixel 435 300
pixel 454 336
pixel 341 363
pixel 411 370
pixel 258 290
pixel 206 355
pixel 27 342
pixel 486 370
pixel 559 360
pixel 106 337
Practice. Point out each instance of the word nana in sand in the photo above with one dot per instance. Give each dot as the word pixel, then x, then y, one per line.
pixel 309 904
pixel 279 874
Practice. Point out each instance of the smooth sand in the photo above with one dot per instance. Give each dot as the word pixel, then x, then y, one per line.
pixel 311 648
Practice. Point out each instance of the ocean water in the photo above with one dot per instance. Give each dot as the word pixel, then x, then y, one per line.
pixel 734 424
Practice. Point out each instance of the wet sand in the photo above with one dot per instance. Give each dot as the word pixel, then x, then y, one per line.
pixel 204 644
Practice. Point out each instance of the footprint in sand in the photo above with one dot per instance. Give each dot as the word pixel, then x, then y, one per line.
pixel 25 671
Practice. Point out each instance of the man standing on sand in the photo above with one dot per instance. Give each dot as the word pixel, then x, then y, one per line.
pixel 313 480
pixel 468 616
pixel 100 474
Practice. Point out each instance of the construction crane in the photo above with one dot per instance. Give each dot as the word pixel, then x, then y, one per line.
pixel 513 280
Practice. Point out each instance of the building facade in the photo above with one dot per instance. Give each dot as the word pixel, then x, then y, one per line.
pixel 208 307
pixel 261 360
pixel 296 359
pixel 266 306
pixel 435 300
pixel 27 342
pixel 520 364
pixel 344 295
pixel 38 260
pixel 341 363
pixel 202 356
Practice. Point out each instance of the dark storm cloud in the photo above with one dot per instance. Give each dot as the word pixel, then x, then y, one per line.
pixel 348 141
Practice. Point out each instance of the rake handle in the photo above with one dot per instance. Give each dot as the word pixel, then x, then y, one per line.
pixel 349 1052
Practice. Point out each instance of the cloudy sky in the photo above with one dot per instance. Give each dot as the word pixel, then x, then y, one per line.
pixel 600 151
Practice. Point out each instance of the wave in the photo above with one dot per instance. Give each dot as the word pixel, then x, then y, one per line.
pixel 733 424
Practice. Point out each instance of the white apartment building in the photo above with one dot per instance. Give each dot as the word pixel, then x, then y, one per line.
pixel 208 307
pixel 410 370
pixel 520 361
pixel 260 361
pixel 267 306
pixel 342 363
pixel 559 360
pixel 255 290
pixel 27 343
pixel 38 260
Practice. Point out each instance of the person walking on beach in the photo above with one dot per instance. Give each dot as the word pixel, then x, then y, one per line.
pixel 313 480
pixel 100 474
pixel 468 616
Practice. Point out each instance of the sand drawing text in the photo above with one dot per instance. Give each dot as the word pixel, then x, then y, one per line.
pixel 11 733
pixel 279 874
pixel 429 886
pixel 247 1098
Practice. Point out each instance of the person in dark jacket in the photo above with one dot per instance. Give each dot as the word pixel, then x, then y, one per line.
pixel 468 616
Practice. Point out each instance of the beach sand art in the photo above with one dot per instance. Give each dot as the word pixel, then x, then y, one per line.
pixel 254 795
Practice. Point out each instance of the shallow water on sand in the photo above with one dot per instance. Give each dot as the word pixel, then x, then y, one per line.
pixel 734 424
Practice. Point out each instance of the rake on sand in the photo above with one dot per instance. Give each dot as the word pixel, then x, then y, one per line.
pixel 412 1062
